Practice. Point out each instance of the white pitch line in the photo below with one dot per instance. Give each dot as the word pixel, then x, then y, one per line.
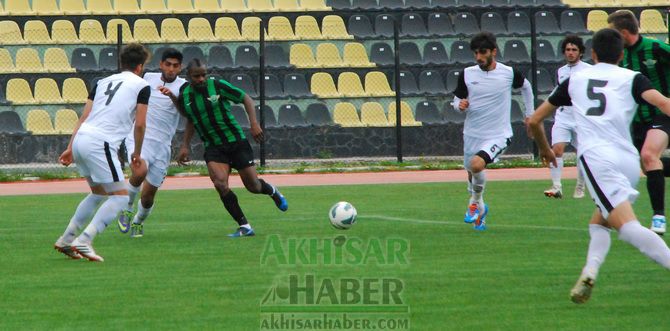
pixel 496 225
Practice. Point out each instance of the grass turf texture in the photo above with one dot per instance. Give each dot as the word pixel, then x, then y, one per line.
pixel 186 274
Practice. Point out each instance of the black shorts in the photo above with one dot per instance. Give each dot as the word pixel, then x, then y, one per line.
pixel 238 155
pixel 639 130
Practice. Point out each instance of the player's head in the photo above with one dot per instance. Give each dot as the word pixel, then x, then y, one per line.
pixel 607 46
pixel 196 71
pixel 626 23
pixel 572 48
pixel 485 48
pixel 133 56
pixel 170 64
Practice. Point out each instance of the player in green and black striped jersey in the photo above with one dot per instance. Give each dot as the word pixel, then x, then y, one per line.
pixel 651 128
pixel 206 105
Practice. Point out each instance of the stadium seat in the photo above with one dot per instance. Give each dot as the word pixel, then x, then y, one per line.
pixel 63 32
pixel 268 114
pixel 548 3
pixel 377 85
pixel 596 20
pixel 577 3
pixel 328 56
pixel 273 87
pixel 452 115
pixel 199 30
pixel 18 8
pixel 251 29
pixel 100 7
pixel 349 85
pixel 434 53
pixel 182 6
pixel 207 6
pixel 246 56
pixel 127 7
pixel 241 116
pixel 345 115
pixel 91 32
pixel 6 62
pixel 418 4
pixel 46 8
pixel 295 86
pixel 261 5
pixel 365 4
pixel 10 122
pixel 279 28
pixel 430 82
pixel 35 32
pixel 290 115
pixel 470 3
pixel 38 122
pixel 245 83
pixel 318 114
pixel 572 22
pixel 55 60
pixel 384 25
pixel 360 26
pixel 301 56
pixel 522 3
pixel 355 55
pixel 545 23
pixel 382 54
pixel 314 5
pixel 631 3
pixel 146 31
pixel 545 51
pixel 518 23
pixel 409 53
pixel 450 4
pixel 108 59
pixel 465 23
pixel 112 31
pixel 545 82
pixel 226 29
pixel 11 33
pixel 27 60
pixel 306 28
pixel 406 115
pixel 156 55
pixel 392 4
pixel 333 28
pixel 47 91
pixel 65 121
pixel 287 5
pixel 234 6
pixel 408 85
pixel 220 57
pixel 495 4
pixel 460 52
pixel 275 57
pixel 651 21
pixel 74 90
pixel 18 92
pixel 516 114
pixel 657 2
pixel 2 9
pixel 172 30
pixel 452 80
pixel 493 22
pixel 73 7
pixel 603 3
pixel 192 52
pixel 323 86
pixel 516 52
pixel 373 115
pixel 413 25
pixel 153 7
pixel 439 25
pixel 339 4
pixel 83 59
pixel 427 112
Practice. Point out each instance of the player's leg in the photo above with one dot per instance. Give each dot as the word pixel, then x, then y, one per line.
pixel 134 182
pixel 144 209
pixel 654 145
pixel 470 147
pixel 156 172
pixel 556 189
pixel 243 161
pixel 599 246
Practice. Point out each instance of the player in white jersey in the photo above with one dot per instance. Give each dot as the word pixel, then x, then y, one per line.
pixel 162 121
pixel 484 93
pixel 112 106
pixel 604 99
pixel 563 131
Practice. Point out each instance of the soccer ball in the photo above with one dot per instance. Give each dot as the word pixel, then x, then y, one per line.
pixel 342 215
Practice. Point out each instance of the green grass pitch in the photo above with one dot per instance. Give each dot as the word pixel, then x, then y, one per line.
pixel 186 274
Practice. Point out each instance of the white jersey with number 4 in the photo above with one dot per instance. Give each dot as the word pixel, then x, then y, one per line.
pixel 563 114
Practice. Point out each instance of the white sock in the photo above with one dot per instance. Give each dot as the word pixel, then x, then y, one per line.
pixel 83 214
pixel 246 226
pixel 471 192
pixel 478 184
pixel 105 215
pixel 598 248
pixel 649 243
pixel 556 171
pixel 132 194
pixel 142 213
pixel 580 175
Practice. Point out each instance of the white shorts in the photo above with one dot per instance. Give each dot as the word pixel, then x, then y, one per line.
pixel 97 160
pixel 487 149
pixel 561 133
pixel 611 176
pixel 157 156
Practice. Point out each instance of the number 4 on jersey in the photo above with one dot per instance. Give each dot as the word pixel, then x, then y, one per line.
pixel 111 92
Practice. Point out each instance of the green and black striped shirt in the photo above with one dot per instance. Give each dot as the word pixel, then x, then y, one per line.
pixel 651 58
pixel 209 111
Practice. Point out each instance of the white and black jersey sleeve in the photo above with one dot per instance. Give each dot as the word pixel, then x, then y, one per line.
pixel 641 84
pixel 517 81
pixel 560 96
pixel 461 90
pixel 143 96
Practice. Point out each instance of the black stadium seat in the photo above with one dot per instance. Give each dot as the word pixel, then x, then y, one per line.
pixel 413 25
pixel 439 24
pixel 269 114
pixel 545 51
pixel 418 4
pixel 427 112
pixel 155 58
pixel 496 3
pixel 220 57
pixel 460 52
pixel 295 86
pixel 10 122
pixel 384 25
pixel 409 53
pixel 545 82
pixel 516 51
pixel 545 23
pixel 318 114
pixel 408 85
pixel 83 59
pixel 518 23
pixel 392 4
pixel 360 26
pixel 470 3
pixel 193 52
pixel 290 115
pixel 444 3
pixel 572 22
pixel 240 115
pixel 430 82
pixel 276 57
pixel 365 4
pixel 273 87
pixel 465 23
pixel 108 58
pixel 245 83
pixel 435 53
pixel 493 22
pixel 246 56
pixel 382 54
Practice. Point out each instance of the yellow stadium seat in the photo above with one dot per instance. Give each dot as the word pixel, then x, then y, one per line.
pixel 631 3
pixel 306 28
pixel 328 56
pixel 63 32
pixel 65 121
pixel 90 32
pixel 27 60
pixel 287 5
pixel 100 7
pixel 153 7
pixel 301 56
pixel 234 6
pixel 46 7
pixel 128 7
pixel 35 32
pixel 406 115
pixel 314 5
pixel 74 90
pixel 355 55
pixel 47 92
pixel 207 6
pixel 55 60
pixel 345 115
pixel 323 86
pixel 603 3
pixel 182 6
pixel 18 8
pixel 39 122
pixel 73 7
pixel 279 28
pixel 146 31
pixel 18 92
pixel 577 3
pixel 112 31
pixel 651 21
pixel 11 34
pixel 2 9
pixel 596 20
pixel 657 2
pixel 251 28
pixel 377 85
pixel 349 85
pixel 200 30
pixel 260 5
pixel 6 62
pixel 225 28
pixel 372 114
pixel 172 30
pixel 333 28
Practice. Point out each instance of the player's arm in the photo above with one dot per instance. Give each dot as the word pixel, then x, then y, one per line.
pixel 66 157
pixel 519 81
pixel 140 124
pixel 237 95
pixel 643 92
pixel 461 102
pixel 559 97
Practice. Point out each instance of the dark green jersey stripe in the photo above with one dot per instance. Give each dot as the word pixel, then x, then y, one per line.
pixel 215 111
pixel 195 116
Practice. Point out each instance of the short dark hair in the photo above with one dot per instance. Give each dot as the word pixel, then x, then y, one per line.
pixel 608 45
pixel 133 55
pixel 483 40
pixel 195 63
pixel 575 40
pixel 171 53
pixel 624 20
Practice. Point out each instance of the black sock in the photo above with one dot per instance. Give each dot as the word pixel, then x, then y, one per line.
pixel 233 207
pixel 266 188
pixel 666 166
pixel 656 188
